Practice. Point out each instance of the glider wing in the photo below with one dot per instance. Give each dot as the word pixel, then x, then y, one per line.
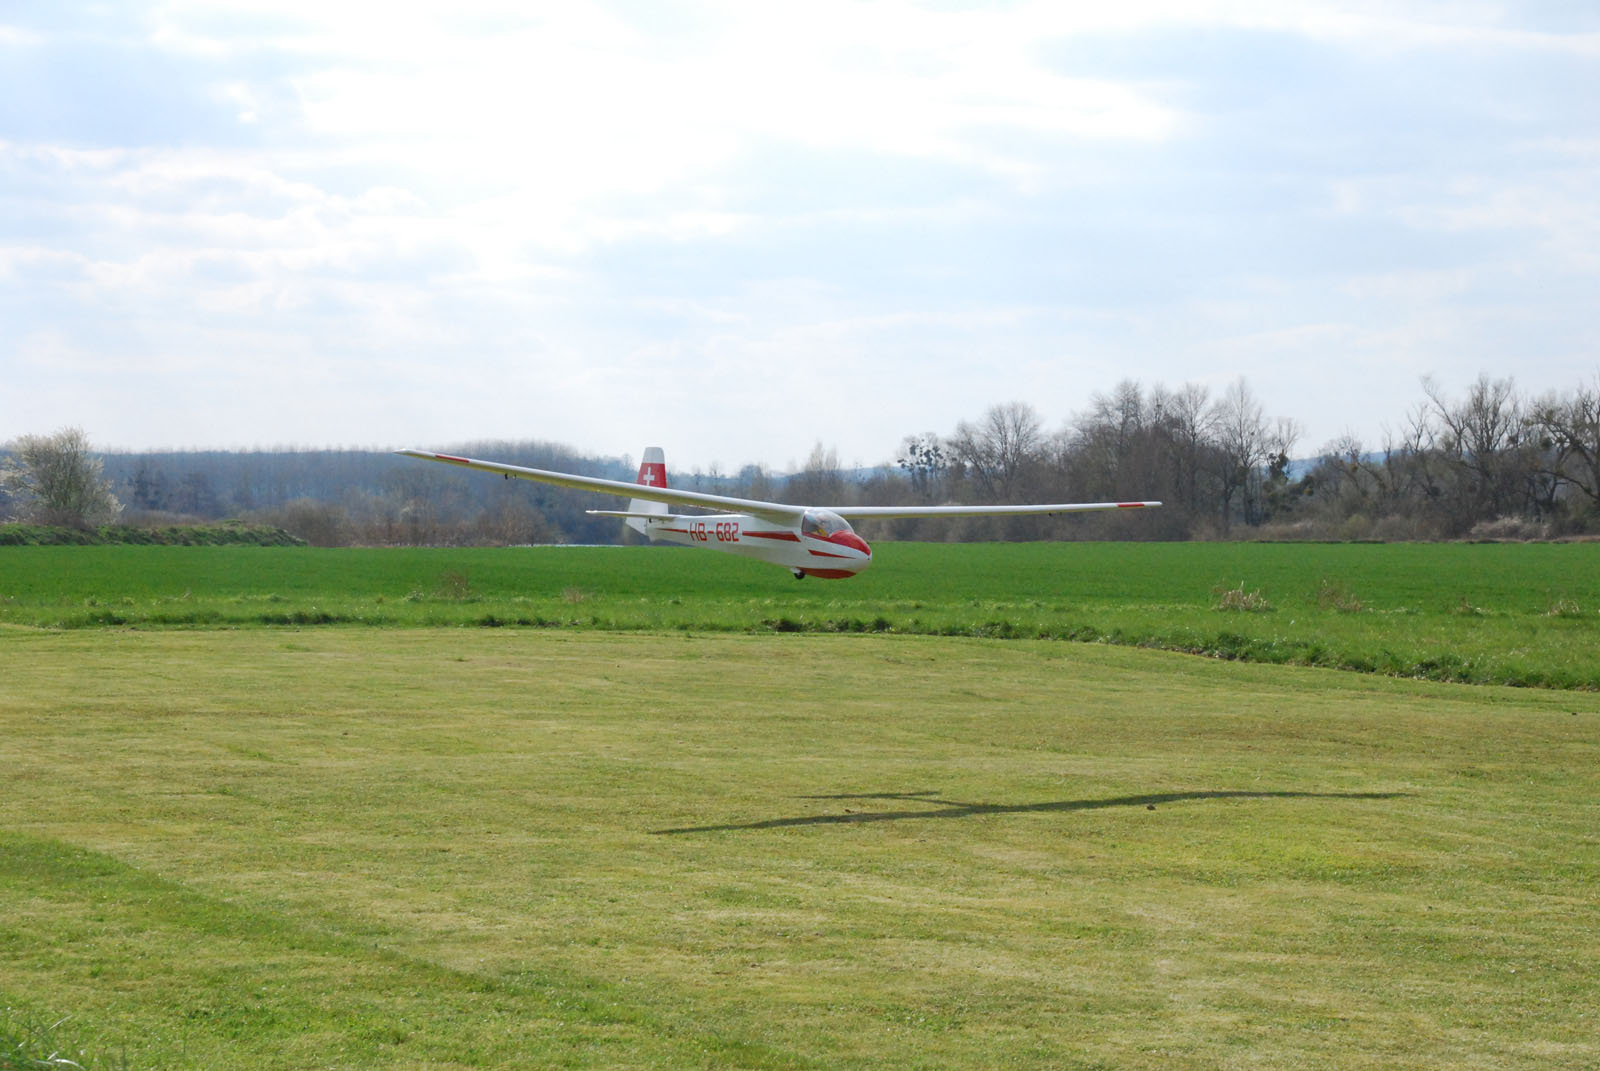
pixel 862 513
pixel 777 512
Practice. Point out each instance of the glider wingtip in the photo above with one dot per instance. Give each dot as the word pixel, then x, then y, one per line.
pixel 434 455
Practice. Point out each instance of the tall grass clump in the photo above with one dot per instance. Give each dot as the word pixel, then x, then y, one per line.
pixel 30 1044
pixel 1563 607
pixel 1335 595
pixel 1241 601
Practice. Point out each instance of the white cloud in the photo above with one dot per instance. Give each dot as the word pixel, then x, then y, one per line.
pixel 841 220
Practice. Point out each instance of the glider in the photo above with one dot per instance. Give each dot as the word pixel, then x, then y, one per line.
pixel 806 540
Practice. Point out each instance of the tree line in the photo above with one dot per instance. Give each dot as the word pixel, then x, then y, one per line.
pixel 1492 462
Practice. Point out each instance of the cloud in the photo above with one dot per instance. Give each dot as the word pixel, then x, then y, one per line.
pixel 583 221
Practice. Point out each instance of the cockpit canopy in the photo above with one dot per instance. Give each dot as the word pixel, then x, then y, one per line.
pixel 822 524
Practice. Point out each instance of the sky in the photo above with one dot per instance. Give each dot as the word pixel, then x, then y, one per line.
pixel 738 230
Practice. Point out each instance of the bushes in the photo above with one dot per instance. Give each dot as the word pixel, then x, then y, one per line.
pixel 198 535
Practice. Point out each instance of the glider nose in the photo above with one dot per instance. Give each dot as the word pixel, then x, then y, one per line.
pixel 854 542
pixel 857 544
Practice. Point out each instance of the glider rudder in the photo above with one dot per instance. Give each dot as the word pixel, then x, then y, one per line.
pixel 652 473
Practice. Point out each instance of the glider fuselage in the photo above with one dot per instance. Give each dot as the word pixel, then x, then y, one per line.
pixel 821 545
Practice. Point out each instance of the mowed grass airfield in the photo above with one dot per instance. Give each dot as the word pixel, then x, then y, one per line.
pixel 738 828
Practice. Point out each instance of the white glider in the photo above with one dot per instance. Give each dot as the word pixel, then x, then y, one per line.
pixel 806 540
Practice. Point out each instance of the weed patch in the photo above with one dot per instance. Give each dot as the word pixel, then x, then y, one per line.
pixel 1567 608
pixel 1336 596
pixel 452 585
pixel 1238 600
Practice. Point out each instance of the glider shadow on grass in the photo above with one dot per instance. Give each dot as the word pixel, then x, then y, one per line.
pixel 942 808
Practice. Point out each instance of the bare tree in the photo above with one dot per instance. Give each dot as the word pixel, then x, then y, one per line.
pixel 1482 438
pixel 754 482
pixel 1103 441
pixel 1570 442
pixel 819 482
pixel 998 451
pixel 58 480
pixel 1243 444
pixel 1185 418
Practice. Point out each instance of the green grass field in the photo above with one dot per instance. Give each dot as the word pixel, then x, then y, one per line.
pixel 1521 614
pixel 641 841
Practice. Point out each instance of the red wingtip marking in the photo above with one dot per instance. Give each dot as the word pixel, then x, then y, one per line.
pixel 457 460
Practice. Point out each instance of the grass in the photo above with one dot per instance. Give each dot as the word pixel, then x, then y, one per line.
pixel 681 823
pixel 27 1044
pixel 1519 614
pixel 446 848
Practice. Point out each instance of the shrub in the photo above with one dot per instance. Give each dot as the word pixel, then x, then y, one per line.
pixel 1508 529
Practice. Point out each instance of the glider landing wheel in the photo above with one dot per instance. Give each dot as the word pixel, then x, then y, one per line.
pixel 799 574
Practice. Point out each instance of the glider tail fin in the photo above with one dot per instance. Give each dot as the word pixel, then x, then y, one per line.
pixel 652 473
